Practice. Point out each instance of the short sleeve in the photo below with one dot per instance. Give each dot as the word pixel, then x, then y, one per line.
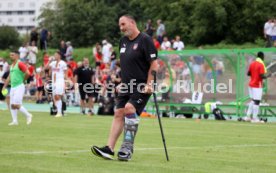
pixel 262 69
pixel 64 66
pixel 22 67
pixel 149 48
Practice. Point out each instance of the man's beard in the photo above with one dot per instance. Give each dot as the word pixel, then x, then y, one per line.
pixel 128 33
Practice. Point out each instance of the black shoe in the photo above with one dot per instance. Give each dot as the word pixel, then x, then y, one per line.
pixel 90 112
pixel 83 112
pixel 104 152
pixel 126 151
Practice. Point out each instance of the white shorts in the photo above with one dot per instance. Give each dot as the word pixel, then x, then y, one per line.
pixel 255 93
pixel 16 95
pixel 58 88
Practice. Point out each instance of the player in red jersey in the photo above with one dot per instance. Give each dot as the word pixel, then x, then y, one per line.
pixel 257 72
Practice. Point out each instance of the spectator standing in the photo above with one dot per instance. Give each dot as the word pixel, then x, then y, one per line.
pixel 44 34
pixel 161 31
pixel 268 28
pixel 69 51
pixel 62 50
pixel 33 51
pixel 34 36
pixel 149 28
pixel 273 32
pixel 23 52
pixel 106 51
pixel 84 76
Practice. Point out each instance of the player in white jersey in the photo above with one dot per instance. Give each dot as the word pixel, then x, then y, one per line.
pixel 58 69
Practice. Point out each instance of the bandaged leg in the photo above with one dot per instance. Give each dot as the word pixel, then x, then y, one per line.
pixel 130 130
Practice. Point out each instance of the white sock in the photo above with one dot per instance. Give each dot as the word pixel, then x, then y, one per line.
pixel 250 109
pixel 24 111
pixel 14 115
pixel 59 106
pixel 255 111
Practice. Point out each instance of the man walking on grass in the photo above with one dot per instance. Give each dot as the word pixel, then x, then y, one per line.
pixel 138 60
pixel 18 74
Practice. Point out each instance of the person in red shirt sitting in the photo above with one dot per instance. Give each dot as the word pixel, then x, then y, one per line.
pixel 257 72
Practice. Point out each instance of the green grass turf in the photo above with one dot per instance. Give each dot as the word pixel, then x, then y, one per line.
pixel 62 145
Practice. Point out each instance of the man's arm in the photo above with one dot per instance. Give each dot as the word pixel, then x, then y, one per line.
pixel 66 74
pixel 7 81
pixel 76 78
pixel 266 75
pixel 24 69
pixel 150 81
pixel 48 66
pixel 27 75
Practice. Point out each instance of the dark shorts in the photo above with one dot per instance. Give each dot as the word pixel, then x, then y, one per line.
pixel 138 100
pixel 98 64
pixel 30 79
pixel 83 93
pixel 40 88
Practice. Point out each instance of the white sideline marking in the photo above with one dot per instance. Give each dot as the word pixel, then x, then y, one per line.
pixel 146 149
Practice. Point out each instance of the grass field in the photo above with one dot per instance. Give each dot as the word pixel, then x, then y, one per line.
pixel 62 145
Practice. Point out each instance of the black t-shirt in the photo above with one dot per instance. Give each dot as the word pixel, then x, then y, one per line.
pixel 84 74
pixel 149 29
pixel 135 58
pixel 5 76
pixel 34 36
pixel 113 56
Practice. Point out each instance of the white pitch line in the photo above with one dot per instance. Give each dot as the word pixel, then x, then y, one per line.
pixel 147 149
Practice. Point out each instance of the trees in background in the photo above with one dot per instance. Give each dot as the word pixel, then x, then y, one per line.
pixel 85 22
pixel 9 37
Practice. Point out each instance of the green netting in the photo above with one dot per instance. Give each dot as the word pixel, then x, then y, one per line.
pixel 221 75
